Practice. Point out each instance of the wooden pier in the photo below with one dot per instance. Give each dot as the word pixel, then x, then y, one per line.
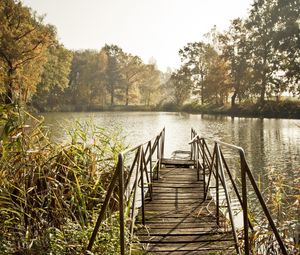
pixel 167 204
pixel 179 220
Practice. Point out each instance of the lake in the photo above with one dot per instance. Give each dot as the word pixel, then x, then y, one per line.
pixel 272 146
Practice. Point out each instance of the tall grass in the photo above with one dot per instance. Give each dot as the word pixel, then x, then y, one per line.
pixel 50 194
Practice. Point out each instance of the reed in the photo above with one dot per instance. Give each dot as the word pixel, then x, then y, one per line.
pixel 51 193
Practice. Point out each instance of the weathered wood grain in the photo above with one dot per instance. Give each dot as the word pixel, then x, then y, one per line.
pixel 178 220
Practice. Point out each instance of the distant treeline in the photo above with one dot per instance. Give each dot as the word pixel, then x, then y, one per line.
pixel 257 59
pixel 101 79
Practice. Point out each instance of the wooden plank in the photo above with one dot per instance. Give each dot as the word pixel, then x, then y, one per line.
pixel 178 221
pixel 205 252
pixel 170 232
pixel 190 180
pixel 206 218
pixel 205 237
pixel 181 225
pixel 221 245
pixel 177 162
pixel 174 190
pixel 190 185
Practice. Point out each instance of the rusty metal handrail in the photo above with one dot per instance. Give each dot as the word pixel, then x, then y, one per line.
pixel 144 168
pixel 216 160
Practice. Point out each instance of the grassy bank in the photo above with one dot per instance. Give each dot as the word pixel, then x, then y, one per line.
pixel 271 109
pixel 51 194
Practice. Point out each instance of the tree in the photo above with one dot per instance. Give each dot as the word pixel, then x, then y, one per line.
pixel 263 53
pixel 181 82
pixel 85 84
pixel 24 40
pixel 133 73
pixel 113 70
pixel 195 57
pixel 54 79
pixel 235 51
pixel 287 41
pixel 217 82
pixel 150 87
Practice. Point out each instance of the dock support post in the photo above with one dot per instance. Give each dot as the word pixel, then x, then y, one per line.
pixel 245 204
pixel 121 206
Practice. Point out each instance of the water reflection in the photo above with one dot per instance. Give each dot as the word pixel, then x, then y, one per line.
pixel 270 144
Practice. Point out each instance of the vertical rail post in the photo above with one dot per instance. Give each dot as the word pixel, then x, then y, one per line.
pixel 142 185
pixel 121 205
pixel 211 169
pixel 217 186
pixel 151 177
pixel 196 158
pixel 203 165
pixel 158 156
pixel 134 193
pixel 192 136
pixel 163 143
pixel 245 204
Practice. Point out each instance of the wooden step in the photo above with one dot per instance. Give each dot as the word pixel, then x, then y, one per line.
pixel 177 162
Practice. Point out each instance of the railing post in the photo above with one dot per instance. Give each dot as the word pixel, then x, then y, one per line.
pixel 158 157
pixel 134 192
pixel 203 166
pixel 121 205
pixel 196 156
pixel 142 185
pixel 151 177
pixel 245 204
pixel 217 186
pixel 163 144
pixel 192 136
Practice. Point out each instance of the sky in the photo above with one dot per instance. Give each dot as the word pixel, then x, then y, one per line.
pixel 147 28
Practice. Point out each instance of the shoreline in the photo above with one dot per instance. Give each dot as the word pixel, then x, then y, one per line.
pixel 282 111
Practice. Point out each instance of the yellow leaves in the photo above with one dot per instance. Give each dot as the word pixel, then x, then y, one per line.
pixel 24 40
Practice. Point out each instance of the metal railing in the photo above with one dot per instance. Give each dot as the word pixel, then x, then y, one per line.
pixel 214 165
pixel 132 181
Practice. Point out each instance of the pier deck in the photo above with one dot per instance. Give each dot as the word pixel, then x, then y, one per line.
pixel 178 219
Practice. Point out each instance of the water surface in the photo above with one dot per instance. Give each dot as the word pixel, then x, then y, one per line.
pixel 270 144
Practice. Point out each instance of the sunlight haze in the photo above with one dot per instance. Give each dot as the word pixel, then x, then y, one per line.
pixel 156 28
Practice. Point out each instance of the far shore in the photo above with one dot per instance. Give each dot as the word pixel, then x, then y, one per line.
pixel 271 109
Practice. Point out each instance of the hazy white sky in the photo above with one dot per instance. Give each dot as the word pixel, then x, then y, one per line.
pixel 147 28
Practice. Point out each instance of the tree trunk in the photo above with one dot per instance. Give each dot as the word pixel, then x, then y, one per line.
pixel 263 92
pixel 202 90
pixel 233 99
pixel 264 78
pixel 112 96
pixel 127 96
pixel 149 96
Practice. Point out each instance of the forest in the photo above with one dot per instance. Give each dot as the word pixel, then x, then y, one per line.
pixel 257 60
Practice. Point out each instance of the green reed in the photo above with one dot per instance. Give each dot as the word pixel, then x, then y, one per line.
pixel 50 194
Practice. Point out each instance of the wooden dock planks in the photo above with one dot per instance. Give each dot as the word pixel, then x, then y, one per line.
pixel 178 220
